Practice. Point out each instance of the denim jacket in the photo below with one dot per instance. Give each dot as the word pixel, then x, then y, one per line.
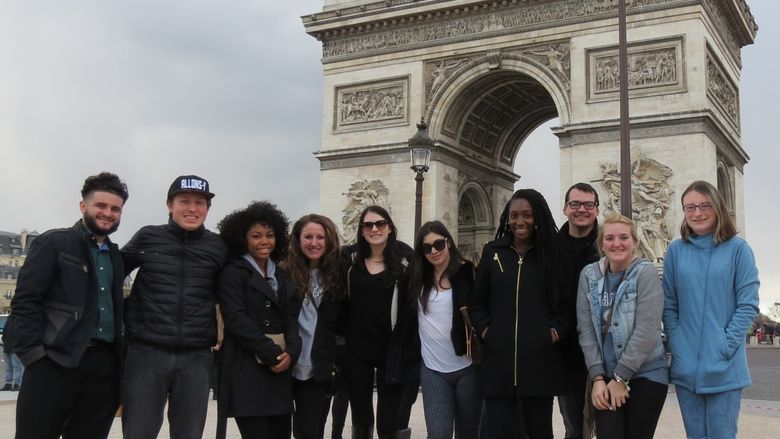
pixel 636 319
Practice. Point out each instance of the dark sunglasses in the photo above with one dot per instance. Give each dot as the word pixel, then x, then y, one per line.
pixel 439 245
pixel 369 225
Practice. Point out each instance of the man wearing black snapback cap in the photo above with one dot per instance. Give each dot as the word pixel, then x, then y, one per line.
pixel 170 316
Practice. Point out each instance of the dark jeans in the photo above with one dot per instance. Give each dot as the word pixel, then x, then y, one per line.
pixel 636 419
pixel 451 403
pixel 311 409
pixel 264 427
pixel 77 403
pixel 519 417
pixel 154 375
pixel 572 406
pixel 360 381
pixel 338 412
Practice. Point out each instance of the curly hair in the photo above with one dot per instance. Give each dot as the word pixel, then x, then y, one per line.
pixel 105 182
pixel 235 225
pixel 421 270
pixel 544 238
pixel 330 265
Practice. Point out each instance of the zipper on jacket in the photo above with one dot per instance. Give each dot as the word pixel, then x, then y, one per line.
pixel 517 308
pixel 180 310
pixel 495 258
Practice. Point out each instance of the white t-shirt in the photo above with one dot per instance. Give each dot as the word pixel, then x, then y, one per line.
pixel 434 327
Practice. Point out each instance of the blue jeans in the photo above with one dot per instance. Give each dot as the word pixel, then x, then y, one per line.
pixel 450 399
pixel 709 416
pixel 154 375
pixel 13 369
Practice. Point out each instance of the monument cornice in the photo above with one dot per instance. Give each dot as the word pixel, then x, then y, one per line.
pixel 666 125
pixel 381 28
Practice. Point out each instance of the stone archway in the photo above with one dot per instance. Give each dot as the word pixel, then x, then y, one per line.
pixel 484 74
pixel 476 225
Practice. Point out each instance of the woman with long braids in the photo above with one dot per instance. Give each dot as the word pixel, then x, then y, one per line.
pixel 520 310
pixel 379 337
pixel 315 266
pixel 440 283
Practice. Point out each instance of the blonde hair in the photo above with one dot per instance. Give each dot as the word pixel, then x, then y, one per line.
pixel 724 225
pixel 615 218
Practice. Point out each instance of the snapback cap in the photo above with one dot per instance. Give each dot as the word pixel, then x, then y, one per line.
pixel 190 184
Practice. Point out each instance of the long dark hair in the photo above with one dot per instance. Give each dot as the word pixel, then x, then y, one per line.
pixel 420 272
pixel 391 254
pixel 330 265
pixel 544 238
pixel 234 227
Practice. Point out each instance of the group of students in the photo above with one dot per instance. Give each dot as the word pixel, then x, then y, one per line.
pixel 570 313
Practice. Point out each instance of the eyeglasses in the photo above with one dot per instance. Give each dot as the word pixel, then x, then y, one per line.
pixel 439 245
pixel 369 225
pixel 588 205
pixel 704 207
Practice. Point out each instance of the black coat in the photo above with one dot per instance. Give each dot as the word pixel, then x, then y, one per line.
pixel 323 350
pixel 579 253
pixel 55 309
pixel 518 348
pixel 251 309
pixel 174 292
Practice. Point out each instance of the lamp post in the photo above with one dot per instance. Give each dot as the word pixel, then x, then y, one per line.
pixel 420 151
pixel 625 133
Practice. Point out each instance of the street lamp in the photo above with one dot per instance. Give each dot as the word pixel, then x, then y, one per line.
pixel 420 150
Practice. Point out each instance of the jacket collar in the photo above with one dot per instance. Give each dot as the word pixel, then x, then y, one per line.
pixel 634 262
pixel 258 282
pixel 591 237
pixel 82 230
pixel 181 233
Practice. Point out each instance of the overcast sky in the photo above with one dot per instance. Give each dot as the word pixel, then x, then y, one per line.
pixel 232 91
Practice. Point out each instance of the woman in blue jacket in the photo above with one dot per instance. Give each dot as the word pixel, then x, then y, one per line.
pixel 711 298
pixel 619 305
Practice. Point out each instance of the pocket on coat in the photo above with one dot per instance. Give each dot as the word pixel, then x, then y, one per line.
pixel 60 319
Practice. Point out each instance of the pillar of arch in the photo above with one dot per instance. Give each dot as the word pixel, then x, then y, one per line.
pixel 485 74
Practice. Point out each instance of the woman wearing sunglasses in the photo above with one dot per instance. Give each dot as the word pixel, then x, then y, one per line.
pixel 379 337
pixel 710 300
pixel 440 282
pixel 520 310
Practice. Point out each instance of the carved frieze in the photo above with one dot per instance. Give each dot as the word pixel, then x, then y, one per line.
pixel 721 90
pixel 437 72
pixel 361 194
pixel 654 67
pixel 650 200
pixel 496 22
pixel 555 56
pixel 371 105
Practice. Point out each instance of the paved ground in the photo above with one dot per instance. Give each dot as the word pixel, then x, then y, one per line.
pixel 760 416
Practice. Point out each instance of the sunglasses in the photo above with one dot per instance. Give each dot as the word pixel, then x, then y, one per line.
pixel 369 225
pixel 439 245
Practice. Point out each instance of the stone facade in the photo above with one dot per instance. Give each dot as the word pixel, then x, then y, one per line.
pixel 484 75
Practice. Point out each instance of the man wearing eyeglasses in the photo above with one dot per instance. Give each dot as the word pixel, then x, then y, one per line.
pixel 578 240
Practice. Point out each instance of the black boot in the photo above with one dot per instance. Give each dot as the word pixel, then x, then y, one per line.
pixel 6 387
pixel 362 432
pixel 15 387
pixel 406 433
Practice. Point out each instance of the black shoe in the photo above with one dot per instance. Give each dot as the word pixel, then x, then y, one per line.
pixel 7 386
pixel 15 388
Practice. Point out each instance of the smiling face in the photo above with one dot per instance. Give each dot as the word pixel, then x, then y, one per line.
pixel 581 220
pixel 521 222
pixel 188 210
pixel 375 236
pixel 701 221
pixel 101 212
pixel 260 243
pixel 618 245
pixel 438 258
pixel 313 242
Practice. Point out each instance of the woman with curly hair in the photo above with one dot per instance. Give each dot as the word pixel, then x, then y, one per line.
pixel 440 283
pixel 521 311
pixel 317 272
pixel 379 338
pixel 259 305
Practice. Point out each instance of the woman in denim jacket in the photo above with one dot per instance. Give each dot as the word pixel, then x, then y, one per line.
pixel 619 306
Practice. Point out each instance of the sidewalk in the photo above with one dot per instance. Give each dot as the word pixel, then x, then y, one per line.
pixel 758 419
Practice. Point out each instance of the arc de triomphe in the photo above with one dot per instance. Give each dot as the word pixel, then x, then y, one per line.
pixel 485 74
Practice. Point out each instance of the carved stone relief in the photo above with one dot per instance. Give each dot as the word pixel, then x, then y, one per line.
pixel 372 105
pixel 436 73
pixel 488 24
pixel 654 67
pixel 721 90
pixel 556 57
pixel 650 200
pixel 361 194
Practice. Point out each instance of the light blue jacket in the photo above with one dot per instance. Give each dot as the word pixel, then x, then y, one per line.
pixel 711 299
pixel 636 319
